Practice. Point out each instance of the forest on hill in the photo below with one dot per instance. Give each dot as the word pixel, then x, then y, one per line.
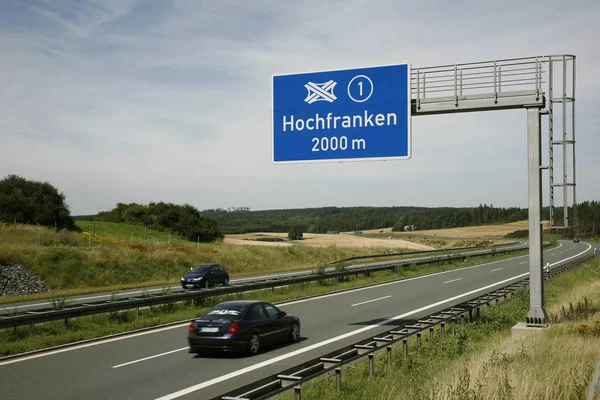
pixel 325 219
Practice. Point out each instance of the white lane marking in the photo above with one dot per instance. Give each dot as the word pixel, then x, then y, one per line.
pixel 83 299
pixel 453 280
pixel 553 254
pixel 232 281
pixel 123 294
pixel 497 269
pixel 273 360
pixel 394 283
pixel 99 342
pixel 524 262
pixel 370 301
pixel 82 346
pixel 151 357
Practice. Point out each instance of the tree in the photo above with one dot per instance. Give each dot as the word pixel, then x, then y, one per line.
pixel 31 202
pixel 295 233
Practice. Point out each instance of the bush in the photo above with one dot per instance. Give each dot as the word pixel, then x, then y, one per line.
pixel 295 233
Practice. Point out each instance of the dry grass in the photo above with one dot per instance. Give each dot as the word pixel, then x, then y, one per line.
pixel 588 290
pixel 343 240
pixel 536 367
pixel 476 231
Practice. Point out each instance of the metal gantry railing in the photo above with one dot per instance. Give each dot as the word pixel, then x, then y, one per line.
pixel 478 86
pixel 293 378
pixel 547 82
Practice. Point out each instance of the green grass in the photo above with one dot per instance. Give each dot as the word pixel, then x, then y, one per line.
pixel 482 362
pixel 27 338
pixel 75 263
pixel 130 233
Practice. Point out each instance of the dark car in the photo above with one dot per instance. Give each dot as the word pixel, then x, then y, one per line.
pixel 576 240
pixel 242 326
pixel 205 276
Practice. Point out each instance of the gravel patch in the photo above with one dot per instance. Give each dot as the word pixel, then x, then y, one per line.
pixel 16 280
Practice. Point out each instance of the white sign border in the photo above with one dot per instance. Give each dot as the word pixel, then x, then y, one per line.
pixel 342 160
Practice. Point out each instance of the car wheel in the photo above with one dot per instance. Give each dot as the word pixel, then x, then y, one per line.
pixel 254 344
pixel 226 282
pixel 295 333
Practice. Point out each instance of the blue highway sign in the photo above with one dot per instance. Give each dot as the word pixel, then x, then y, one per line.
pixel 343 115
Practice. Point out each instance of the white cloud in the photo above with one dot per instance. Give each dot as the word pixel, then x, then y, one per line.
pixel 117 101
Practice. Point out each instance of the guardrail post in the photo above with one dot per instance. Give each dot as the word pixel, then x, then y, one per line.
pixel 418 341
pixel 66 321
pixel 389 356
pixel 431 334
pixel 405 348
pixel 478 312
pixel 338 379
pixel 298 392
pixel 370 364
pixel 471 315
pixel 497 303
pixel 443 329
pixel 137 312
pixel 453 325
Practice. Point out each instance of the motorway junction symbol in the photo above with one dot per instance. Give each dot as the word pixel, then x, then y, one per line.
pixel 343 115
pixel 320 91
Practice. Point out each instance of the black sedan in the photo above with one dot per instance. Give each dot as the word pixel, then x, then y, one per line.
pixel 205 276
pixel 243 326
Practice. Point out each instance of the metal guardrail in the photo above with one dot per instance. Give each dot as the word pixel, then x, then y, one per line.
pixel 402 254
pixel 91 308
pixel 293 378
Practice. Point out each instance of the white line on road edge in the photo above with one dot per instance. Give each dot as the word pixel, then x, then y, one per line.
pixel 173 286
pixel 273 360
pixel 123 337
pixel 151 357
pixel 497 269
pixel 453 280
pixel 81 346
pixel 524 262
pixel 370 301
pixel 96 343
pixel 242 371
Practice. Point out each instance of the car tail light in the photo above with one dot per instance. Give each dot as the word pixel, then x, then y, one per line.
pixel 233 328
pixel 191 328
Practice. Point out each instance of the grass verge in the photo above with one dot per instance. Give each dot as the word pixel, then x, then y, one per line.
pixel 33 337
pixel 482 361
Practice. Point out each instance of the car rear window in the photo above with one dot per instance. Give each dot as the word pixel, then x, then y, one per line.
pixel 227 312
pixel 199 269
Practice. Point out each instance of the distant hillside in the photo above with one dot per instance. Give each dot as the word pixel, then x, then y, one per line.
pixel 84 217
pixel 322 220
pixel 343 219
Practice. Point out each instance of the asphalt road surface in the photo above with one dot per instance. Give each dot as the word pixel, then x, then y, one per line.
pixel 156 364
pixel 34 305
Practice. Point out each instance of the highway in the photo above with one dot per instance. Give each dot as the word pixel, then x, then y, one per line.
pixel 156 365
pixel 37 305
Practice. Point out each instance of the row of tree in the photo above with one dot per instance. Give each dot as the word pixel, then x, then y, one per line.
pixel 326 219
pixel 322 220
pixel 41 203
pixel 184 220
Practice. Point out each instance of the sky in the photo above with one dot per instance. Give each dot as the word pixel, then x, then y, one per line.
pixel 145 101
